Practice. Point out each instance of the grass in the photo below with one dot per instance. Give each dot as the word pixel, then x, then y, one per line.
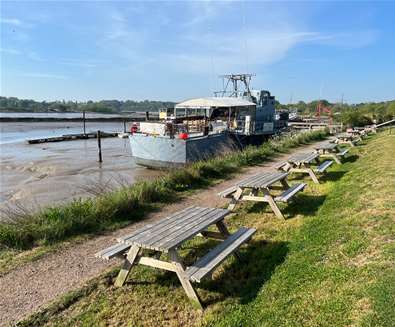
pixel 24 230
pixel 330 263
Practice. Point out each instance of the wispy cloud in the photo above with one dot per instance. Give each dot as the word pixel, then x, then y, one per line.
pixel 10 51
pixel 352 39
pixel 203 11
pixel 32 55
pixel 44 75
pixel 11 21
pixel 229 53
pixel 82 63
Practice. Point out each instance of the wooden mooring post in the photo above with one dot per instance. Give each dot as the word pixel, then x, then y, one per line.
pixel 99 146
pixel 83 119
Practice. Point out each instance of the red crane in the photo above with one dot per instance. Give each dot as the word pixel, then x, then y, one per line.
pixel 322 109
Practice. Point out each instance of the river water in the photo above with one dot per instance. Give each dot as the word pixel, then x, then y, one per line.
pixel 57 115
pixel 38 175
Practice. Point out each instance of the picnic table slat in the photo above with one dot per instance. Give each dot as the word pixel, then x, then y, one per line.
pixel 254 180
pixel 160 228
pixel 326 146
pixel 190 231
pixel 149 226
pixel 112 251
pixel 216 256
pixel 258 180
pixel 173 230
pixel 289 193
pixel 324 166
pixel 303 157
pixel 251 179
pixel 263 180
pixel 343 152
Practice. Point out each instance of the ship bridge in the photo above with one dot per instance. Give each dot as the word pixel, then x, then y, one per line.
pixel 209 106
pixel 236 114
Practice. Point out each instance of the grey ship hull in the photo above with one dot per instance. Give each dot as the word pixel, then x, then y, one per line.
pixel 165 152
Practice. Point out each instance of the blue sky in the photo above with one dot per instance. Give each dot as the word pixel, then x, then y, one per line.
pixel 173 50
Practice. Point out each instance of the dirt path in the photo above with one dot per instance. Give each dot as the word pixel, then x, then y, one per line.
pixel 33 285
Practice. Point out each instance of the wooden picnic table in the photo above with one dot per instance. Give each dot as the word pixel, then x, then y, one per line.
pixel 303 158
pixel 347 138
pixel 357 133
pixel 168 235
pixel 262 184
pixel 301 163
pixel 330 150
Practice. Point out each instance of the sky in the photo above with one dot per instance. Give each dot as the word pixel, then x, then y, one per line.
pixel 175 50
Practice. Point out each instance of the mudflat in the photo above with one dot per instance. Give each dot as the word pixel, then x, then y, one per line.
pixel 37 175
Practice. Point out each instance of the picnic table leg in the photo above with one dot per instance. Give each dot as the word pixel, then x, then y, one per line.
pixel 127 266
pixel 224 231
pixel 284 183
pixel 312 174
pixel 222 228
pixel 286 167
pixel 336 158
pixel 235 198
pixel 273 204
pixel 185 282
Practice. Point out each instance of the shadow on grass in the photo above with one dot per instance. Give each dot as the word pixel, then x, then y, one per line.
pixel 302 204
pixel 351 158
pixel 306 205
pixel 332 176
pixel 240 279
pixel 245 277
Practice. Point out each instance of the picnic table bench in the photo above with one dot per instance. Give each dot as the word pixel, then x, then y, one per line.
pixel 358 131
pixel 370 129
pixel 301 163
pixel 168 235
pixel 263 183
pixel 331 150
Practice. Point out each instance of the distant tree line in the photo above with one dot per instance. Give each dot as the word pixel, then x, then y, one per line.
pixel 350 114
pixel 104 106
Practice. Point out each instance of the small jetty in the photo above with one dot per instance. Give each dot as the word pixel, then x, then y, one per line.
pixel 71 137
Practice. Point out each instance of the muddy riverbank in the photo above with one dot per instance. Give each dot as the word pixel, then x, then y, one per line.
pixel 50 173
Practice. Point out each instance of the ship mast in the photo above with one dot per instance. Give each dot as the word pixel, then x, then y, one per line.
pixel 238 82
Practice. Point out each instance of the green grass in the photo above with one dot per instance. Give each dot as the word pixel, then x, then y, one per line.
pixel 330 263
pixel 118 208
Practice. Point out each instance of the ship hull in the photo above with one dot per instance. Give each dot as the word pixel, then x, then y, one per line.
pixel 164 152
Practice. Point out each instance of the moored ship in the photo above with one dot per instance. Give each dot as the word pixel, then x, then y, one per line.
pixel 198 129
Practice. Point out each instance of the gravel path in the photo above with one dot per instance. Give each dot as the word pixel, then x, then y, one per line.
pixel 33 285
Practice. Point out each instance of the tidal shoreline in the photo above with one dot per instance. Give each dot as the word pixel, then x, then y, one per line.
pixel 39 175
